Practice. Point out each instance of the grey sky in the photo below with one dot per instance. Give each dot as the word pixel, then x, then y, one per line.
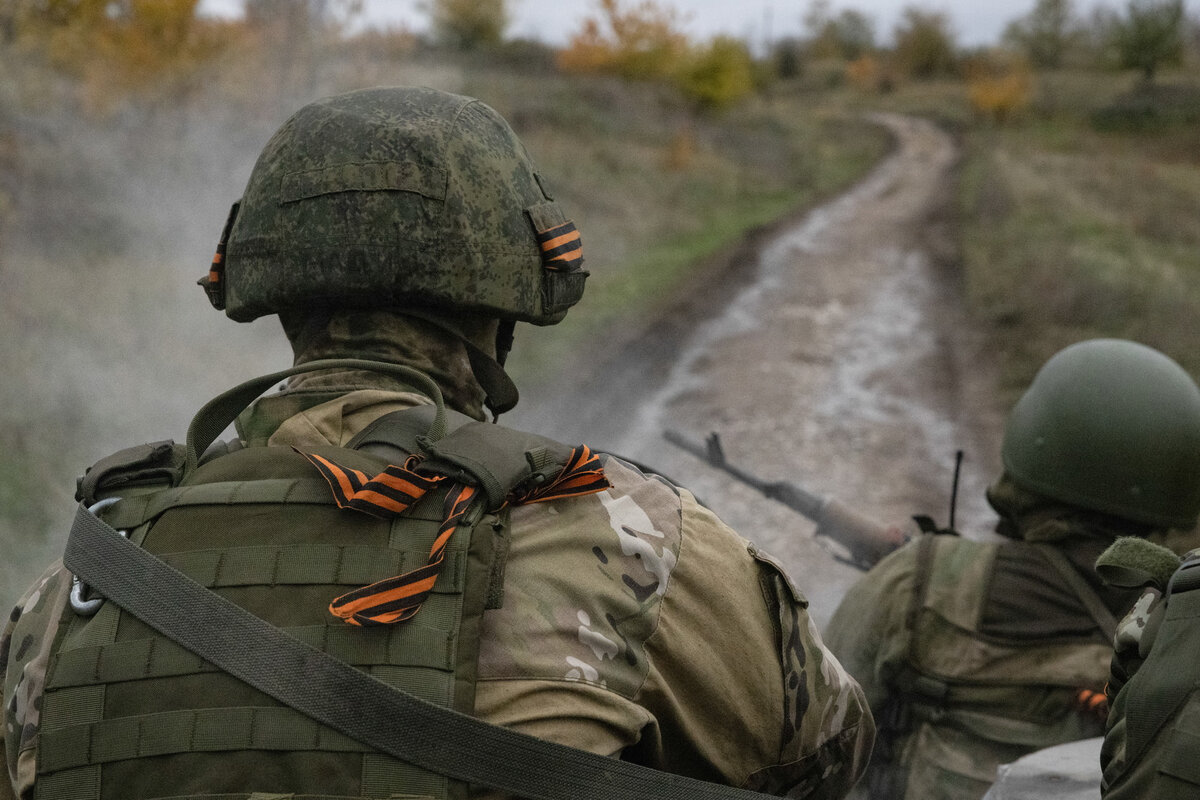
pixel 974 22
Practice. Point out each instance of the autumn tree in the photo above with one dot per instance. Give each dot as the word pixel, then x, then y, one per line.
pixel 999 85
pixel 924 44
pixel 1150 36
pixel 119 48
pixel 1046 33
pixel 643 42
pixel 470 24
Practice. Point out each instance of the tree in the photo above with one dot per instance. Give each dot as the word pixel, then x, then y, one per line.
pixel 642 43
pixel 855 34
pixel 1046 33
pixel 470 24
pixel 1150 36
pixel 116 49
pixel 924 43
pixel 848 35
pixel 718 74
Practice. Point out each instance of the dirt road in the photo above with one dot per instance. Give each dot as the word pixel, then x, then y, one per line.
pixel 831 354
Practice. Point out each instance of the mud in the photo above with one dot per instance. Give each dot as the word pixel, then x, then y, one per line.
pixel 830 351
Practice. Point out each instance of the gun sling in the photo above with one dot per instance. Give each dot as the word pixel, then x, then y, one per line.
pixel 350 701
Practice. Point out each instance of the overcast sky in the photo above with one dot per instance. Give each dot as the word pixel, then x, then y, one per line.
pixel 974 22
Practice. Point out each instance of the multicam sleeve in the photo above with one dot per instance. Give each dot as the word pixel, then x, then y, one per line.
pixel 740 687
pixel 24 659
pixel 828 730
pixel 9 748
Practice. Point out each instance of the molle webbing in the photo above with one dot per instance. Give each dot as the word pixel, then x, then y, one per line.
pixel 113 655
pixel 343 698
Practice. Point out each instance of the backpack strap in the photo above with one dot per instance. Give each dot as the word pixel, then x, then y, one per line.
pixel 1096 608
pixel 350 701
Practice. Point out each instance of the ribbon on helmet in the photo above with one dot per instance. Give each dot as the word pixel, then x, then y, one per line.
pixel 393 491
pixel 562 249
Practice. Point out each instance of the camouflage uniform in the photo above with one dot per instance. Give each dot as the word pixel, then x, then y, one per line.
pixel 634 622
pixel 982 654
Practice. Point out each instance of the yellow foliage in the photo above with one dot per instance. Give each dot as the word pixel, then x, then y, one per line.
pixel 999 86
pixel 717 74
pixel 641 43
pixel 120 48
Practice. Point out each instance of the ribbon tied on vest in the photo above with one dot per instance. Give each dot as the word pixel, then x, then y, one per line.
pixel 393 491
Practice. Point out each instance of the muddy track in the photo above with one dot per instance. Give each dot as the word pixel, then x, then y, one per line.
pixel 830 350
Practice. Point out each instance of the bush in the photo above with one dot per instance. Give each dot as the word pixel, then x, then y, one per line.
pixel 1150 107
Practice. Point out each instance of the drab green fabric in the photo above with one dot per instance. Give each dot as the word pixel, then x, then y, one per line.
pixel 287 574
pixel 140 659
pixel 199 730
pixel 1160 709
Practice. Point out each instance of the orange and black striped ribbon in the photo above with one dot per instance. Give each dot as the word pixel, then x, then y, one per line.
pixel 393 491
pixel 562 249
pixel 582 475
pixel 399 598
pixel 1092 702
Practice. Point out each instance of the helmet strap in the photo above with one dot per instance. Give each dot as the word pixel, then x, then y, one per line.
pixel 504 340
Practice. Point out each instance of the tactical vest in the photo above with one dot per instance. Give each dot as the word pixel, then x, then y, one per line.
pixel 127 713
pixel 966 701
pixel 1157 712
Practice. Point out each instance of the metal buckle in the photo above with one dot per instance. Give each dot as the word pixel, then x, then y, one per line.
pixel 79 602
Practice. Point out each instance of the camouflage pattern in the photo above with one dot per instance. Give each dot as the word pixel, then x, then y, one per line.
pixel 391 198
pixel 1127 420
pixel 386 336
pixel 24 659
pixel 595 642
pixel 1003 699
pixel 596 645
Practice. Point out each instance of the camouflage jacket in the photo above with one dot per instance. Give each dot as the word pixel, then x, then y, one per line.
pixel 982 655
pixel 634 624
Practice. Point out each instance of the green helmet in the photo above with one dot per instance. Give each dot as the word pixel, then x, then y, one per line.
pixel 397 198
pixel 1112 426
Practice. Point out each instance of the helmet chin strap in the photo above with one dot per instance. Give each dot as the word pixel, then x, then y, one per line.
pixel 500 392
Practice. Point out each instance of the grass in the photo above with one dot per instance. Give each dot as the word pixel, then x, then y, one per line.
pixel 1069 232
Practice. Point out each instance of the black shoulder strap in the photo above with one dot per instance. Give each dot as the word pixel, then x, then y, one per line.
pixel 350 701
pixel 1096 608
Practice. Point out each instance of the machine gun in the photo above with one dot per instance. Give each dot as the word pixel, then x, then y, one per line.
pixel 866 540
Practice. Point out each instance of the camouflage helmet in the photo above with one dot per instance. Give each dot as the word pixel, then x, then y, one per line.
pixel 397 197
pixel 1112 426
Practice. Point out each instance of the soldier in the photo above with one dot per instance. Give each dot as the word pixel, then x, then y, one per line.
pixel 368 512
pixel 973 654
